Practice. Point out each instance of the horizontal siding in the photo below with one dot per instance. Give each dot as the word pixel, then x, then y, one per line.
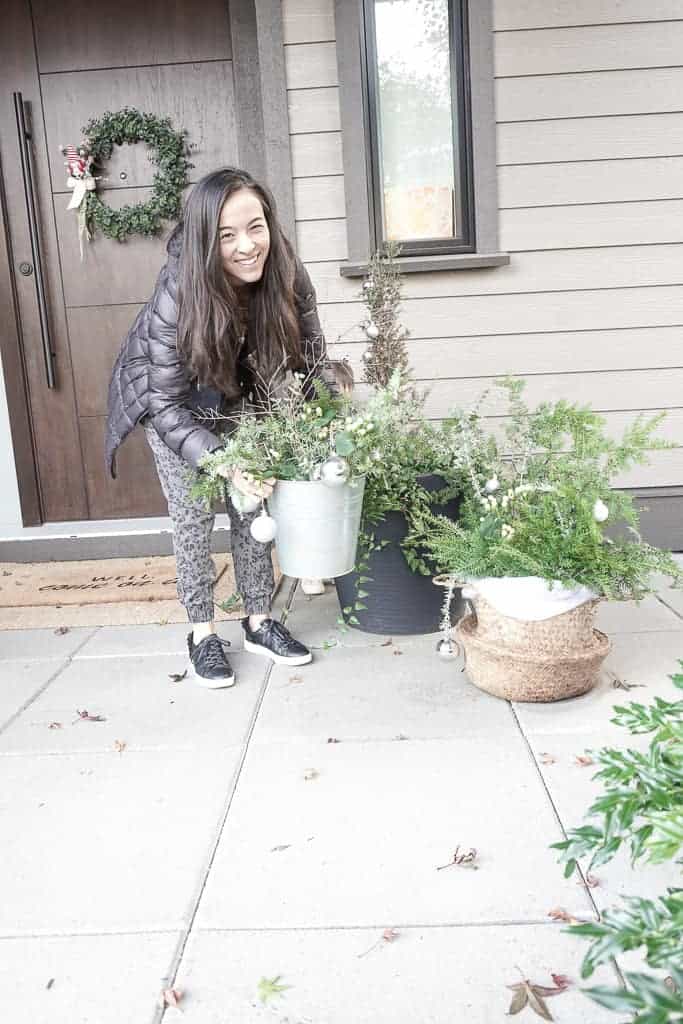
pixel 590 155
pixel 559 352
pixel 589 94
pixel 595 138
pixel 596 181
pixel 527 313
pixel 516 14
pixel 589 48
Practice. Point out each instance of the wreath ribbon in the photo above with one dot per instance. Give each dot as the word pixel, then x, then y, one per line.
pixel 81 187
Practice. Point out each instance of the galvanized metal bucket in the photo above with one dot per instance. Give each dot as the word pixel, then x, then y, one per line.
pixel 317 526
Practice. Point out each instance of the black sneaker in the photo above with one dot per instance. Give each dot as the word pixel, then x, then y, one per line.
pixel 209 664
pixel 274 641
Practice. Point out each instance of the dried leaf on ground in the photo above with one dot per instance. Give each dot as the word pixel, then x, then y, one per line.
pixel 561 981
pixel 170 997
pixel 560 914
pixel 55 725
pixel 546 758
pixel 583 761
pixel 388 935
pixel 591 881
pixel 85 716
pixel 177 677
pixel 528 993
pixel 461 859
pixel 50 983
pixel 120 745
pixel 397 651
pixel 61 630
pixel 387 643
pixel 311 773
pixel 332 739
pixel 279 849
pixel 270 987
pixel 296 679
pixel 621 684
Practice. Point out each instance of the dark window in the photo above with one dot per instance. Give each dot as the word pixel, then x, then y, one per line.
pixel 419 125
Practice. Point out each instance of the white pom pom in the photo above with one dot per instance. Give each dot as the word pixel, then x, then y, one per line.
pixel 263 528
pixel 372 330
pixel 491 485
pixel 600 511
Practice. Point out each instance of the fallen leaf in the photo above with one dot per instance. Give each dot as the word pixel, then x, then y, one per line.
pixel 50 983
pixel 396 651
pixel 592 882
pixel 177 677
pixel 170 997
pixel 311 773
pixel 85 716
pixel 621 684
pixel 561 980
pixel 120 746
pixel 583 760
pixel 547 758
pixel 388 935
pixel 528 993
pixel 269 987
pixel 560 914
pixel 401 736
pixel 55 725
pixel 61 630
pixel 461 859
pixel 279 849
pixel 519 999
pixel 387 643
pixel 296 679
pixel 331 739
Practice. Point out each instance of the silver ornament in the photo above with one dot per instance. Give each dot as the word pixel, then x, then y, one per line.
pixel 263 528
pixel 334 471
pixel 446 649
pixel 372 330
pixel 244 503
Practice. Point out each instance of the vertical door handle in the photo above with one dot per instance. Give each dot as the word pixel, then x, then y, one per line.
pixel 25 139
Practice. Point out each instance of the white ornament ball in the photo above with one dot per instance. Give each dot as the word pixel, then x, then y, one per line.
pixel 446 649
pixel 491 485
pixel 334 471
pixel 244 503
pixel 600 511
pixel 372 330
pixel 365 357
pixel 263 528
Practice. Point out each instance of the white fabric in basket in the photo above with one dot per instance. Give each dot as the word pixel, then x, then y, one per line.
pixel 527 597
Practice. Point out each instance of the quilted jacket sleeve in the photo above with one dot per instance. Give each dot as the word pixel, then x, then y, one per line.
pixel 313 344
pixel 169 382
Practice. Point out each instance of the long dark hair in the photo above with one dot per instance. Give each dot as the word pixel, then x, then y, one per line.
pixel 208 318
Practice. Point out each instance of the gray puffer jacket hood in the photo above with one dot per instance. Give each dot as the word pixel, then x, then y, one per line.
pixel 150 380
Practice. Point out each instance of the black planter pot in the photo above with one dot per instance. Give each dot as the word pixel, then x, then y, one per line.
pixel 399 601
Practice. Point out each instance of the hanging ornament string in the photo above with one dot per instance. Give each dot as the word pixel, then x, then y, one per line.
pixel 168 149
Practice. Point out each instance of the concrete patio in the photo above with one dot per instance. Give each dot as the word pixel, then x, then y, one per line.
pixel 207 840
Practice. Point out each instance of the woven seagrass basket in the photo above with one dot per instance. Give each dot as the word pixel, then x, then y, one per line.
pixel 530 674
pixel 562 634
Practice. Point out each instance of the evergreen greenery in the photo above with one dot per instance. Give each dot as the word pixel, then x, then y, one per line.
pixel 641 809
pixel 167 151
pixel 544 499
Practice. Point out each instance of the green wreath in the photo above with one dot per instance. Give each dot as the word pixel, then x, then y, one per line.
pixel 168 152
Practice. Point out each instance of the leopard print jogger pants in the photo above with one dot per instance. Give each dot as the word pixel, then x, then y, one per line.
pixel 193 521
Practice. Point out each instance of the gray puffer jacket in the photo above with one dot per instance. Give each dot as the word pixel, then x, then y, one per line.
pixel 151 381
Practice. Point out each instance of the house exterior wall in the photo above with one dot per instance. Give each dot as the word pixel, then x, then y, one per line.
pixel 590 162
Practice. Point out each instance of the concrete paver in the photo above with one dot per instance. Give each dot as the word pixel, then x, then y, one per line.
pixel 102 978
pixel 365 836
pixel 20 680
pixel 430 975
pixel 141 705
pixel 106 842
pixel 107 855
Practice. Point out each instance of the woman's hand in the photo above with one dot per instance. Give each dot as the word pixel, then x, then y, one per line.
pixel 245 483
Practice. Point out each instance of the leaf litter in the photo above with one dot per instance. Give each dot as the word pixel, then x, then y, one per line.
pixel 529 993
pixel 387 936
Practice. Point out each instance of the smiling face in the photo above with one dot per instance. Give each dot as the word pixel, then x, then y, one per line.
pixel 243 237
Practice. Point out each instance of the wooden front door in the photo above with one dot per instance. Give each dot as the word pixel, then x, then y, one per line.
pixel 167 57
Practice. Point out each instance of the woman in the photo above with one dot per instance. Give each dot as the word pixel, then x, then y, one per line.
pixel 233 311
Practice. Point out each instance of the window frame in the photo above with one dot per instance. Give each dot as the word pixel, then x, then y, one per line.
pixel 357 136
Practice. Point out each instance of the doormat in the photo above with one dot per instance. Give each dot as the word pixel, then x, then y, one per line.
pixel 105 592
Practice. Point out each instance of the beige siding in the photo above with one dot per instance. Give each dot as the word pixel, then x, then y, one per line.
pixel 590 155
